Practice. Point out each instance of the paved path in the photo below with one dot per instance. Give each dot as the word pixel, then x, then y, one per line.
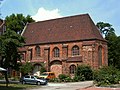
pixel 65 86
pixel 100 88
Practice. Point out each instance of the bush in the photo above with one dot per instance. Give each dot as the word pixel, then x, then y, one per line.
pixel 79 78
pixel 26 68
pixel 14 78
pixel 68 79
pixel 54 80
pixel 62 77
pixel 2 76
pixel 106 76
pixel 43 69
pixel 84 72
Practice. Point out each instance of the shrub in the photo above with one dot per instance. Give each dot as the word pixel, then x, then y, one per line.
pixel 65 78
pixel 43 69
pixel 62 77
pixel 14 78
pixel 1 76
pixel 84 72
pixel 68 79
pixel 54 80
pixel 26 68
pixel 78 78
pixel 106 76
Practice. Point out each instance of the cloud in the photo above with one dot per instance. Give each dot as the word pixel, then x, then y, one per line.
pixel 44 14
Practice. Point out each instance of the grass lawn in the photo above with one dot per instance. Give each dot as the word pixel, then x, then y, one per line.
pixel 17 86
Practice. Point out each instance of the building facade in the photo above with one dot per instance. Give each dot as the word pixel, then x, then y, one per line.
pixel 60 45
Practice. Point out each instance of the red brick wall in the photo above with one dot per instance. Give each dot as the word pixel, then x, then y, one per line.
pixel 88 51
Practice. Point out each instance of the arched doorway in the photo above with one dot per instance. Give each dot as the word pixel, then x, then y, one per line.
pixel 56 67
pixel 72 69
pixel 36 69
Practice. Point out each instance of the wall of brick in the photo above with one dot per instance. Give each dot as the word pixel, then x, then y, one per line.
pixel 88 52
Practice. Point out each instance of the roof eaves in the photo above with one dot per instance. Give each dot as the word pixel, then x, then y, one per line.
pixel 42 43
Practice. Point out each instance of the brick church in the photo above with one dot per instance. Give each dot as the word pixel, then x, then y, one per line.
pixel 60 45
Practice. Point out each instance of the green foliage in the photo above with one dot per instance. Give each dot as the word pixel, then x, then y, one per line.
pixel 54 80
pixel 113 49
pixel 15 78
pixel 113 43
pixel 62 77
pixel 17 87
pixel 68 79
pixel 26 68
pixel 17 22
pixel 84 72
pixel 79 78
pixel 104 27
pixel 107 76
pixel 1 76
pixel 43 69
pixel 10 41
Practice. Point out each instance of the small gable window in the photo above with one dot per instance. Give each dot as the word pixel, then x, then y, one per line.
pixel 56 52
pixel 37 51
pixel 75 50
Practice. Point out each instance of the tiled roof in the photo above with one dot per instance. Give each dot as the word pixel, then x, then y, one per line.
pixel 72 28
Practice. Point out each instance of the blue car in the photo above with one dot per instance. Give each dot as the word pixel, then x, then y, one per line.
pixel 30 79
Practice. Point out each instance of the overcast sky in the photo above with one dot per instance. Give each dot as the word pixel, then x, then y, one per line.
pixel 99 10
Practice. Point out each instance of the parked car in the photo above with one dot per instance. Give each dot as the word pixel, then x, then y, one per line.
pixel 47 75
pixel 30 79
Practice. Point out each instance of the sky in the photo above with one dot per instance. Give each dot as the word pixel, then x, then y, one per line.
pixel 107 11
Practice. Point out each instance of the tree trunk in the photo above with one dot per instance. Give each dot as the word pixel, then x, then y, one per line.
pixel 6 78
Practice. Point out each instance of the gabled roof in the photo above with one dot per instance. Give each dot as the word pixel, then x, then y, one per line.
pixel 72 28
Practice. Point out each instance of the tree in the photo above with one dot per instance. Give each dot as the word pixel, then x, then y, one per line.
pixel 104 27
pixel 26 68
pixel 118 52
pixel 10 41
pixel 17 22
pixel 113 43
pixel 112 48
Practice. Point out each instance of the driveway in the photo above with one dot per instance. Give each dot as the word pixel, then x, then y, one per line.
pixel 100 88
pixel 65 86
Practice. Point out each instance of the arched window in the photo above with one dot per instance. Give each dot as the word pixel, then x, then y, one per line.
pixel 37 51
pixel 56 52
pixel 75 50
pixel 100 55
pixel 72 69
